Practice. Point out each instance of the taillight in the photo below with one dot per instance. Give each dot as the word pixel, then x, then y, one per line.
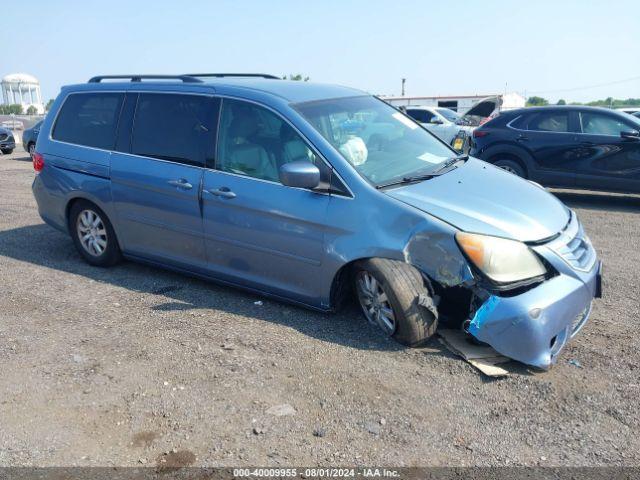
pixel 38 162
pixel 477 133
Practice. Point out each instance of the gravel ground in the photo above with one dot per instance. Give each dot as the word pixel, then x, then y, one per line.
pixel 136 366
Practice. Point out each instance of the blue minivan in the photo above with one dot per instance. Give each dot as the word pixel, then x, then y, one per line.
pixel 314 194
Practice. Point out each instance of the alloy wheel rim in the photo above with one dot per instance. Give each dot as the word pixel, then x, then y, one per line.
pixel 91 233
pixel 375 303
pixel 508 169
pixel 32 150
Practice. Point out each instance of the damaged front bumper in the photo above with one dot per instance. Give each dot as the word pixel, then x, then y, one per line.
pixel 534 326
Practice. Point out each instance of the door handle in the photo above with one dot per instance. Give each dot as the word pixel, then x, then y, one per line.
pixel 223 192
pixel 522 138
pixel 181 183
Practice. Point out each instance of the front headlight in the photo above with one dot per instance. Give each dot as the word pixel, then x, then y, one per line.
pixel 502 260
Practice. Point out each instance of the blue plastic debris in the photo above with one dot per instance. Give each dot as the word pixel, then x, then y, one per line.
pixel 482 314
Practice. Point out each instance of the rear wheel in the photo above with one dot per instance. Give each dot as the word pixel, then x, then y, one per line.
pixel 32 149
pixel 93 234
pixel 393 297
pixel 511 166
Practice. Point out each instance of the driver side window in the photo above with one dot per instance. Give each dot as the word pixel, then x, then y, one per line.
pixel 598 124
pixel 255 142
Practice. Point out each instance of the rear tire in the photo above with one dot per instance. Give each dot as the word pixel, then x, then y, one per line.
pixel 7 151
pixel 511 166
pixel 393 296
pixel 93 234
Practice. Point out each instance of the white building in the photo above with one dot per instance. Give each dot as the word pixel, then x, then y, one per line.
pixel 23 89
pixel 459 103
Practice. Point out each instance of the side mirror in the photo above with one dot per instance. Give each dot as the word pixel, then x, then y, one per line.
pixel 631 134
pixel 435 121
pixel 300 174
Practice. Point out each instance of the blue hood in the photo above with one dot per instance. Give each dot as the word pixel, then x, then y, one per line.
pixel 480 198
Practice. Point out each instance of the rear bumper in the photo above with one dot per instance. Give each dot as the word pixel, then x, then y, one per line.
pixel 534 326
pixel 5 145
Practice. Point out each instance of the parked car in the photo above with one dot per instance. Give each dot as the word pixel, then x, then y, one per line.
pixel 565 146
pixel 30 137
pixel 306 192
pixel 438 120
pixel 7 141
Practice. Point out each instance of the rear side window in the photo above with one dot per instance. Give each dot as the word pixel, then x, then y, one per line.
pixel 89 119
pixel 550 122
pixel 175 127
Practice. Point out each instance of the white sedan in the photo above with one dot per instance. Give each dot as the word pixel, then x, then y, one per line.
pixel 438 120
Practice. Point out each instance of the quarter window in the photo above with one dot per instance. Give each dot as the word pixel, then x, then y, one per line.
pixel 256 142
pixel 175 127
pixel 89 119
pixel 597 124
pixel 550 122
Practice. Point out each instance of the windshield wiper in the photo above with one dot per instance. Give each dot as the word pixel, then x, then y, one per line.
pixel 418 178
pixel 450 162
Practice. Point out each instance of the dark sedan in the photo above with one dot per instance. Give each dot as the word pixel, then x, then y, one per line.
pixel 30 137
pixel 564 146
pixel 7 141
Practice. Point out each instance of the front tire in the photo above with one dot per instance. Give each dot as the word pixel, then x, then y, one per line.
pixel 93 234
pixel 393 297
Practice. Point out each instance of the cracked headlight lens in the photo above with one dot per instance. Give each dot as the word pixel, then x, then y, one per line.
pixel 502 260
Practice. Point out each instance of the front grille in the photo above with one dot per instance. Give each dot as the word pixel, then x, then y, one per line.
pixel 578 253
pixel 3 136
pixel 574 247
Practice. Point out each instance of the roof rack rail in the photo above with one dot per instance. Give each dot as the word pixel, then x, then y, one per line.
pixel 139 78
pixel 221 75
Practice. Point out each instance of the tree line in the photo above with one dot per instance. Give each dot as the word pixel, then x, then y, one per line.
pixel 608 102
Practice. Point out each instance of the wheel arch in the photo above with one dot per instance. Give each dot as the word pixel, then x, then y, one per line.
pixel 342 283
pixel 80 196
pixel 510 152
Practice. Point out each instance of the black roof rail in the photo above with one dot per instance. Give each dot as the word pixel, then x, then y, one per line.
pixel 222 75
pixel 139 78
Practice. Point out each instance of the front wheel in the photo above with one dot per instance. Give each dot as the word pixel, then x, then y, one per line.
pixel 93 234
pixel 511 167
pixel 393 297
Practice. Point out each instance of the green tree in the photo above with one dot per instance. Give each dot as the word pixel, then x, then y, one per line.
pixel 49 105
pixel 297 77
pixel 561 102
pixel 537 101
pixel 13 109
pixel 32 110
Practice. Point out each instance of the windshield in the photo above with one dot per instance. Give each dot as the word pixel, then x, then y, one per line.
pixel 381 143
pixel 448 114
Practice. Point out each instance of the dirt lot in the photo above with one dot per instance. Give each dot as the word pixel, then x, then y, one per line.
pixel 137 366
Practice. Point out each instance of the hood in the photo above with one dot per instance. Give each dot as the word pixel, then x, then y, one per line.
pixel 477 197
pixel 481 110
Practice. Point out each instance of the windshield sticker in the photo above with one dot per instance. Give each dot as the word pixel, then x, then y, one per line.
pixel 404 120
pixel 431 158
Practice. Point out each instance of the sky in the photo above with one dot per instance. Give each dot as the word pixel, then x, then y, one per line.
pixel 549 48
